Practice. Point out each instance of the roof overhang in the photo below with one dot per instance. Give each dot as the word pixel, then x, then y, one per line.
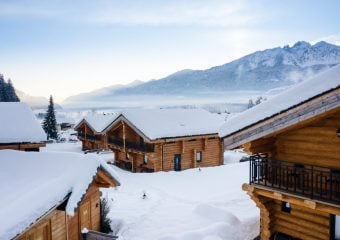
pixel 317 106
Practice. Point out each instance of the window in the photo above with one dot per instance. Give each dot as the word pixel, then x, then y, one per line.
pixel 335 227
pixel 146 159
pixel 199 156
pixel 286 207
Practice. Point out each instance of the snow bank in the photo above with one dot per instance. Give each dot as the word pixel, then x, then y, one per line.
pixel 18 124
pixel 234 156
pixel 301 92
pixel 165 123
pixel 192 204
pixel 31 183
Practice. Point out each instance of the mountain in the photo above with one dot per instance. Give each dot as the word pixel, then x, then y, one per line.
pixel 34 102
pixel 260 71
pixel 101 92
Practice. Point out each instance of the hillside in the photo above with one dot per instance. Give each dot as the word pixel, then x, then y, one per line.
pixel 259 71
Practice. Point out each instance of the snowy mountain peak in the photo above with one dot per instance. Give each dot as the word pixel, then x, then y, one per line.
pixel 302 44
pixel 261 71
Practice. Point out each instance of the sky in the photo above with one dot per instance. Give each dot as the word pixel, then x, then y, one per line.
pixel 65 47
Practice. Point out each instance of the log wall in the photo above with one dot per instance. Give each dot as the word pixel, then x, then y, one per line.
pixel 54 225
pixel 302 222
pixel 316 144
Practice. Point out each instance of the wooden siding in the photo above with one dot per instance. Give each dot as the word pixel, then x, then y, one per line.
pixel 314 108
pixel 23 146
pixel 316 143
pixel 162 157
pixel 55 225
pixel 62 227
pixel 306 219
pixel 210 148
pixel 89 144
pixel 313 142
pixel 92 197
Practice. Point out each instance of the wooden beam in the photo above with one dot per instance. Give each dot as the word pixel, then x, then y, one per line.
pixel 124 136
pixel 293 199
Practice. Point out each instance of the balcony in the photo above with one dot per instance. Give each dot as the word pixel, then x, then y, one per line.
pixel 116 141
pixel 308 181
pixel 89 136
pixel 142 147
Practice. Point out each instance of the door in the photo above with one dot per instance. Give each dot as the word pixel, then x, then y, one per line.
pixel 177 162
pixel 85 215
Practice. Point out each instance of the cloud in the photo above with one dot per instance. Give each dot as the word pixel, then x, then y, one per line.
pixel 229 13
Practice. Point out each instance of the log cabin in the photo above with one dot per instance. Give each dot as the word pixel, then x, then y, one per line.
pixel 90 130
pixel 294 175
pixel 19 129
pixel 50 195
pixel 151 140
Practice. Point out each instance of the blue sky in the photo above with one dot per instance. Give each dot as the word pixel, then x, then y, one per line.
pixel 64 47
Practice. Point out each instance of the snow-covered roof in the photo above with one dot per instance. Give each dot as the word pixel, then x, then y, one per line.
pixel 98 122
pixel 288 99
pixel 32 183
pixel 169 123
pixel 18 124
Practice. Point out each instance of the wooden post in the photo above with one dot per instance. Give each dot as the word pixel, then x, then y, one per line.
pixel 183 147
pixel 195 162
pixel 124 136
pixel 205 143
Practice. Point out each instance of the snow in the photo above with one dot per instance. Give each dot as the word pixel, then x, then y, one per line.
pixel 192 204
pixel 167 123
pixel 31 183
pixel 234 156
pixel 18 124
pixel 299 93
pixel 98 122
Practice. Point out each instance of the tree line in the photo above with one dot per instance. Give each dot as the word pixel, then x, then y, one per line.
pixel 7 91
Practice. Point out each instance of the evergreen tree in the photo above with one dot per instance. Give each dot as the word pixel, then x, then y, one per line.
pixel 50 122
pixel 12 96
pixel 250 103
pixel 105 222
pixel 7 91
pixel 3 90
pixel 258 100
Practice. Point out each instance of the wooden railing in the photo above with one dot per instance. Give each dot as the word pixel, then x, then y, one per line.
pixel 89 136
pixel 116 141
pixel 143 147
pixel 309 181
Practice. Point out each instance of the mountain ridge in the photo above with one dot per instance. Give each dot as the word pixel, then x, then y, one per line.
pixel 262 70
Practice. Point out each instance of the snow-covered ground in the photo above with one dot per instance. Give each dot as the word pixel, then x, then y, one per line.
pixel 188 205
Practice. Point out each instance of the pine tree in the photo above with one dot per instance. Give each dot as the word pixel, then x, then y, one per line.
pixel 50 122
pixel 250 103
pixel 3 90
pixel 12 96
pixel 105 222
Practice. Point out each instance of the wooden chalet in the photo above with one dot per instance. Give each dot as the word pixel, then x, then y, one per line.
pixel 19 129
pixel 165 139
pixel 90 131
pixel 44 200
pixel 150 140
pixel 294 139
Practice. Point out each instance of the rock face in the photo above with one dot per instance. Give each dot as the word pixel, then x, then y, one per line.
pixel 262 70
